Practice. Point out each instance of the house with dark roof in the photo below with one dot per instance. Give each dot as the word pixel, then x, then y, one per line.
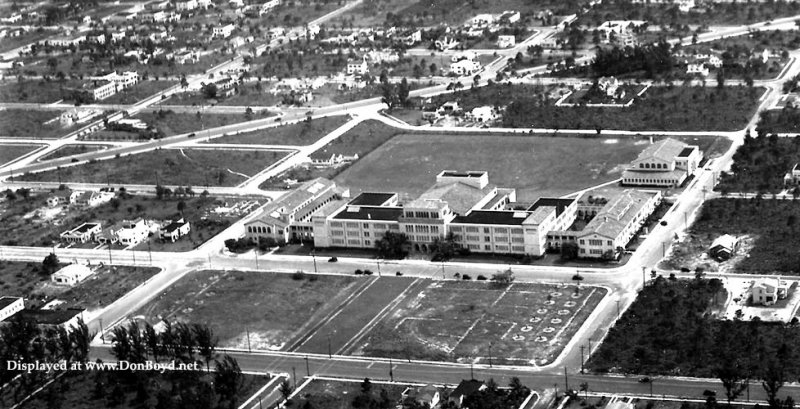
pixel 10 306
pixel 174 230
pixel 666 163
pixel 464 389
pixel 723 247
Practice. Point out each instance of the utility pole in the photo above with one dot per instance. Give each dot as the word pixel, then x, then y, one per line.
pixel 663 249
pixel 102 335
pixel 133 253
pixel 566 380
pixel 379 267
pixel 685 223
pixel 314 257
pixel 149 253
pixel 618 315
pixel 391 374
pixel 109 254
pixel 644 279
pixel 471 371
pixel 256 253
pixel 490 355
pixel 247 331
pixel 582 347
pixel 294 378
pixel 443 270
pixel 329 347
pixel 308 370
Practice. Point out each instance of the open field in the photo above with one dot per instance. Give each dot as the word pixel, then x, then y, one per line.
pixel 354 317
pixel 30 124
pixel 659 109
pixel 300 134
pixel 760 164
pixel 273 308
pixel 79 390
pixel 72 149
pixel 175 123
pixel 455 12
pixel 109 283
pixel 767 226
pixel 535 166
pixel 461 321
pixel 196 167
pixel 324 394
pixel 361 140
pixel 10 152
pixel 34 91
pixel 668 331
pixel 138 92
pixel 30 222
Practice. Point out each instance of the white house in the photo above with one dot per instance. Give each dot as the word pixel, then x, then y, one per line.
pixel 609 85
pixel 186 5
pixel 482 20
pixel 793 176
pixel 71 274
pixel 132 232
pixel 175 230
pixel 767 291
pixel 505 41
pixel 482 114
pixel 697 69
pixel 465 67
pixel 223 31
pixel 81 234
pixel 359 68
pixel 723 247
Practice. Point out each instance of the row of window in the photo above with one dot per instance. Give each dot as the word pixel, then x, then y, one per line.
pixel 653 166
pixel 262 230
pixel 646 181
pixel 421 215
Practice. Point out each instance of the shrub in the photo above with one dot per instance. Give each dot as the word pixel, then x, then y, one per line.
pixel 359 272
pixel 466 277
pixel 481 277
pixel 298 275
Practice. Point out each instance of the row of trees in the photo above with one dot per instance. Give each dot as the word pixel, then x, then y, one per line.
pixel 653 59
pixel 395 95
pixel 180 343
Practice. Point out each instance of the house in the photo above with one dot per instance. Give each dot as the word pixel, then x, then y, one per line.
pixel 482 21
pixel 223 31
pixel 482 114
pixel 266 7
pixel 81 234
pixel 186 5
pixel 359 68
pixel 331 160
pixel 505 41
pixel 465 67
pixel 465 388
pixel 666 163
pixel 723 247
pixel 609 85
pixel 92 199
pixel 424 396
pixel 445 44
pixel 449 108
pixel 10 306
pixel 509 17
pixel 174 230
pixel 59 198
pixel 768 290
pixel 697 69
pixel 71 274
pixel 792 177
pixel 132 232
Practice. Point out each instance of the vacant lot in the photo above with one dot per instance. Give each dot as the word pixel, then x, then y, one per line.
pixel 273 308
pixel 455 12
pixel 461 321
pixel 175 123
pixel 196 167
pixel 666 331
pixel 770 226
pixel 69 150
pixel 108 284
pixel 760 164
pixel 786 120
pixel 325 394
pixel 30 124
pixel 300 134
pixel 34 91
pixel 10 152
pixel 535 166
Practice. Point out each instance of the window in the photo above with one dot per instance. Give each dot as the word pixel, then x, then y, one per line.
pixel 486 230
pixel 337 232
pixel 517 240
pixel 473 238
pixel 472 229
pixel 595 242
pixel 487 238
pixel 500 230
pixel 367 242
pixel 435 229
pixel 337 241
pixel 366 225
pixel 518 249
pixel 458 229
pixel 409 228
pixel 366 234
pixel 487 247
pixel 581 241
pixel 516 231
pixel 380 226
pixel 354 242
pixel 610 243
pixel 583 251
pixel 352 225
pixel 352 233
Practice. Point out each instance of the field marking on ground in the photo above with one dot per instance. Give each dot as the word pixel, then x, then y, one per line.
pixel 572 318
pixel 513 324
pixel 415 319
pixel 378 317
pixel 311 332
pixel 213 283
pixel 259 392
pixel 471 327
pixel 238 173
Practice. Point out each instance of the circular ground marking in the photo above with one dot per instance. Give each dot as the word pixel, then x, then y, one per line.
pixel 526 328
pixel 569 304
pixel 535 319
pixel 541 339
pixel 549 302
pixel 541 311
pixel 555 294
pixel 518 338
pixel 555 321
pixel 576 295
pixel 563 312
pixel 548 330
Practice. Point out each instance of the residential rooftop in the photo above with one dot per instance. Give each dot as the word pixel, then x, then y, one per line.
pixel 5 301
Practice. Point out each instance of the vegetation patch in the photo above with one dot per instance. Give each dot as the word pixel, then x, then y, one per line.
pixel 760 164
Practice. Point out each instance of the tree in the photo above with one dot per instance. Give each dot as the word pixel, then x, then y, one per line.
pixel 206 342
pixel 392 245
pixel 402 92
pixel 433 69
pixel 50 263
pixel 732 376
pixel 773 382
pixel 210 91
pixel 569 251
pixel 721 78
pixel 388 95
pixel 228 380
pixel 181 207
pixel 286 389
pixel 585 389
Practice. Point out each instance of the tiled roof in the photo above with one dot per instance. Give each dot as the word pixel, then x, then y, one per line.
pixel 666 149
pixel 617 213
pixel 461 197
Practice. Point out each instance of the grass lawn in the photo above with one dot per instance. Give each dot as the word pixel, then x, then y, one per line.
pixel 10 152
pixel 786 120
pixel 458 320
pixel 25 123
pixel 301 133
pixel 33 223
pixel 101 289
pixel 196 167
pixel 361 140
pixel 760 164
pixel 138 92
pixel 327 394
pixel 78 390
pixel 176 123
pixel 770 223
pixel 666 332
pixel 69 150
pixel 535 166
pixel 274 308
pixel 34 91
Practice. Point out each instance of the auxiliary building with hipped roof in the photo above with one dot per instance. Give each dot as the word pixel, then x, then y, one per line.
pixel 666 163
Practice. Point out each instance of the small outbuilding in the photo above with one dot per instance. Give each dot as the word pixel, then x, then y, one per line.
pixel 723 247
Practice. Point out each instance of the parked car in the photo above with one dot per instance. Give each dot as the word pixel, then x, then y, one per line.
pixel 663 223
pixel 333 260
